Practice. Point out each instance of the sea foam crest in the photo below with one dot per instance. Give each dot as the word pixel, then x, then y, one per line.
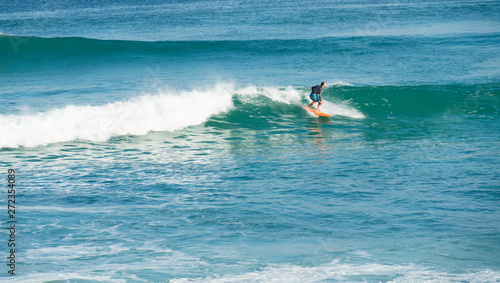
pixel 287 95
pixel 165 111
pixel 341 109
pixel 341 83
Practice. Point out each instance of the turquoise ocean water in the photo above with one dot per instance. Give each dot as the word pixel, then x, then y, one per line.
pixel 165 142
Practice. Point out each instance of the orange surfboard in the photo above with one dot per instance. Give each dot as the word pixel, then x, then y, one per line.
pixel 316 112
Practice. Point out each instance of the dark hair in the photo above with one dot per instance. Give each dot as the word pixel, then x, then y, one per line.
pixel 323 83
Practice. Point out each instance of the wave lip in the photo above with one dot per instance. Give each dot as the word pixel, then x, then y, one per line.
pixel 166 111
pixel 252 94
pixel 341 83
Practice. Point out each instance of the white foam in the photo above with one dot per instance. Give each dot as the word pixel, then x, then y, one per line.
pixel 341 83
pixel 348 272
pixel 287 95
pixel 165 111
pixel 341 109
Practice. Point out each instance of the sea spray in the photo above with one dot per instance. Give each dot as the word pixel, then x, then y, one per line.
pixel 165 111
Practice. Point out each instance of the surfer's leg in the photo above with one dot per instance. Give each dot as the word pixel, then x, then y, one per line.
pixel 319 104
pixel 314 99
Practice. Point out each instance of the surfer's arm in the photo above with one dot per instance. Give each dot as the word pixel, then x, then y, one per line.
pixel 319 94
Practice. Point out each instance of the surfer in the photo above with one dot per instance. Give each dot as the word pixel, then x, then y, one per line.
pixel 316 94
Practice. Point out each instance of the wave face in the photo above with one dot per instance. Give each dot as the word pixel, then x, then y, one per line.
pixel 245 107
pixel 374 60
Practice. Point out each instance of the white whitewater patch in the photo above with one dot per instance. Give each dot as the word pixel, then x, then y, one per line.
pixel 287 95
pixel 277 273
pixel 343 272
pixel 341 83
pixel 341 109
pixel 165 111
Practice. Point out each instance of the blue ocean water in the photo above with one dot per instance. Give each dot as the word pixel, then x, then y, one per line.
pixel 165 142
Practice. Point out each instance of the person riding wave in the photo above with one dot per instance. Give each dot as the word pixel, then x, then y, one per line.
pixel 316 94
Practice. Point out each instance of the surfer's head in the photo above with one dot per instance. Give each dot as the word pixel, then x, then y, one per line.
pixel 323 84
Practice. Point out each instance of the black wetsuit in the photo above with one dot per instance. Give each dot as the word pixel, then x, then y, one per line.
pixel 316 93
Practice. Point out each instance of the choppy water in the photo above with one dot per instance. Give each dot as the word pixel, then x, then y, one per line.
pixel 166 142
